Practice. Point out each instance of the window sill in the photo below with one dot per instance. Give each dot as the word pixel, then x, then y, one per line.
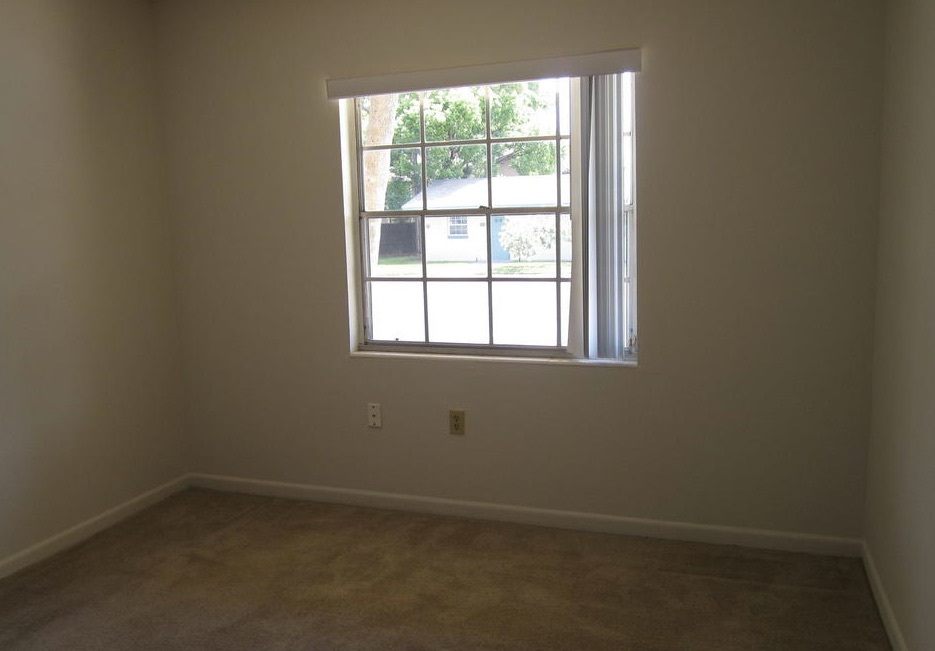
pixel 548 361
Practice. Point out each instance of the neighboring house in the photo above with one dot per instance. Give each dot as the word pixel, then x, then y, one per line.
pixel 463 238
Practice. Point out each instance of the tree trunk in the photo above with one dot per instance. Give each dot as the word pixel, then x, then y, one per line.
pixel 380 127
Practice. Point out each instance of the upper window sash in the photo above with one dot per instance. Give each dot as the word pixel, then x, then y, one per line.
pixel 582 65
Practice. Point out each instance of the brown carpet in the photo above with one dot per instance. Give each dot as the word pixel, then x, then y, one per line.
pixel 207 570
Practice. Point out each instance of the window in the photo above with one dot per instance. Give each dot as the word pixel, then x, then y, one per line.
pixel 497 218
pixel 457 226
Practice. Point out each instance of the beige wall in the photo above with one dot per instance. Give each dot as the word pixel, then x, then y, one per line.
pixel 758 183
pixel 900 527
pixel 88 352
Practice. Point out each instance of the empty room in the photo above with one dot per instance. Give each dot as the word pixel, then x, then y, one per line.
pixel 516 324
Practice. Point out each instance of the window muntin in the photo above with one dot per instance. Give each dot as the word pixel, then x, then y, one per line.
pixel 481 196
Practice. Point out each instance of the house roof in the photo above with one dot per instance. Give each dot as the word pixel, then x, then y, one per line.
pixel 508 191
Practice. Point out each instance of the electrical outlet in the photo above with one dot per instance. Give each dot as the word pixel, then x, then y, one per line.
pixel 374 414
pixel 456 422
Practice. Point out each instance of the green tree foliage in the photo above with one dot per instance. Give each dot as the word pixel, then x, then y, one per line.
pixel 461 114
pixel 523 237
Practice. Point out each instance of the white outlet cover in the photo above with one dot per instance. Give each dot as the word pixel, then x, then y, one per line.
pixel 374 415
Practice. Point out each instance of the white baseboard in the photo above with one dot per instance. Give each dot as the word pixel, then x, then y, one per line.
pixel 765 539
pixel 883 603
pixel 74 535
pixel 721 535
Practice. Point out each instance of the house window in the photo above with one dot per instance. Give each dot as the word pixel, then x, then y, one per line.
pixel 457 227
pixel 496 219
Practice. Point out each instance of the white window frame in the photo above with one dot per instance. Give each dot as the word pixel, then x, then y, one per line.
pixel 581 319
